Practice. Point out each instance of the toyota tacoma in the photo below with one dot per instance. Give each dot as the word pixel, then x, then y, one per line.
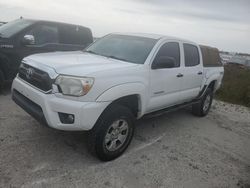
pixel 116 80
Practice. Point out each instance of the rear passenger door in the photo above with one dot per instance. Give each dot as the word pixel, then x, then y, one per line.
pixel 193 72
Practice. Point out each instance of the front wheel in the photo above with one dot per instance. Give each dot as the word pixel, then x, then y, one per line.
pixel 112 133
pixel 202 108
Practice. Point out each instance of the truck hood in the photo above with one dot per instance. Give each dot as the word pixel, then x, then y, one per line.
pixel 76 63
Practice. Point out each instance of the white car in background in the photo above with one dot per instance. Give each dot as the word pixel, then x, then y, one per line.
pixel 119 78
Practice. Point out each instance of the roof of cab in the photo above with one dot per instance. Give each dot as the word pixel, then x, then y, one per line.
pixel 154 36
pixel 53 22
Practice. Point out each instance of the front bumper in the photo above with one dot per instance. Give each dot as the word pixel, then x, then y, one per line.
pixel 45 107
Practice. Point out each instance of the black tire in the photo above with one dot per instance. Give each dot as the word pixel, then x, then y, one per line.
pixel 96 138
pixel 1 80
pixel 199 109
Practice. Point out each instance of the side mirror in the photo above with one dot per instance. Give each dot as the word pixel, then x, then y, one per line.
pixel 28 40
pixel 163 62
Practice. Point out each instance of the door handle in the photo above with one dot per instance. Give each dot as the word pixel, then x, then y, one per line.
pixel 199 73
pixel 179 75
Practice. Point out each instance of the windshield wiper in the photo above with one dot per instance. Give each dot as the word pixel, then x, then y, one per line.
pixel 91 52
pixel 114 57
pixel 108 56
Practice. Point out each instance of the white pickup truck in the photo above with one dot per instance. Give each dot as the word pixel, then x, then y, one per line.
pixel 118 79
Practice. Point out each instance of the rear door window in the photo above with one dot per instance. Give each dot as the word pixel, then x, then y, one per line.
pixel 192 57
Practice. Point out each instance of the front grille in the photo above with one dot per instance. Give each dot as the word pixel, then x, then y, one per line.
pixel 35 77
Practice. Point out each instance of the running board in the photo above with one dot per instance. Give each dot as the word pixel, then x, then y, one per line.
pixel 170 109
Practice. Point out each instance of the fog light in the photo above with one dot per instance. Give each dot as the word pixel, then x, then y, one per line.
pixel 66 118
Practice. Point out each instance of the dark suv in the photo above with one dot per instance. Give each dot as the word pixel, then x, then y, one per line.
pixel 24 37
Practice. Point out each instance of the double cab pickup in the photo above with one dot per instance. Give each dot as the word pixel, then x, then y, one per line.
pixel 116 80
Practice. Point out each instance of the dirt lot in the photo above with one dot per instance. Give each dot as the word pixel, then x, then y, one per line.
pixel 172 150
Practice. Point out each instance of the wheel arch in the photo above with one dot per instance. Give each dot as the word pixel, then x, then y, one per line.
pixel 131 95
pixel 132 102
pixel 212 84
pixel 214 81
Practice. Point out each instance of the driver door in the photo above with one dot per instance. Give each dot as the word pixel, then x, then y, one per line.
pixel 165 83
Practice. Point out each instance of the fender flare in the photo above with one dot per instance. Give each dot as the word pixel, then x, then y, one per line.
pixel 124 90
pixel 214 77
pixel 208 81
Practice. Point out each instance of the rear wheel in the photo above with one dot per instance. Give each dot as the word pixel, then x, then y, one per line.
pixel 112 133
pixel 202 108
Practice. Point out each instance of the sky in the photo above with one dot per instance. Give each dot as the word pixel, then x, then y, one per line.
pixel 224 24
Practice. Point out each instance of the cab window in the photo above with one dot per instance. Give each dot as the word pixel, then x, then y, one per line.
pixel 171 50
pixel 191 55
pixel 75 35
pixel 44 34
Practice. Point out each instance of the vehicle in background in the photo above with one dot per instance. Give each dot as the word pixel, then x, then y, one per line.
pixel 24 37
pixel 1 23
pixel 119 78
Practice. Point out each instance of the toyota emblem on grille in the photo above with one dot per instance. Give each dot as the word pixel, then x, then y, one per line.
pixel 29 73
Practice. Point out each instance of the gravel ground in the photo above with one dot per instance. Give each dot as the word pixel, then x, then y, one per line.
pixel 171 150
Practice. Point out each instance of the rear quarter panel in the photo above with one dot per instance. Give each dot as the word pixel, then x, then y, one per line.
pixel 213 74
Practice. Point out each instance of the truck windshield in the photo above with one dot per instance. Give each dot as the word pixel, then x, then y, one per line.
pixel 132 49
pixel 9 29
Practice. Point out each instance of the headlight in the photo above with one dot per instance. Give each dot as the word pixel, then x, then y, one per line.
pixel 74 86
